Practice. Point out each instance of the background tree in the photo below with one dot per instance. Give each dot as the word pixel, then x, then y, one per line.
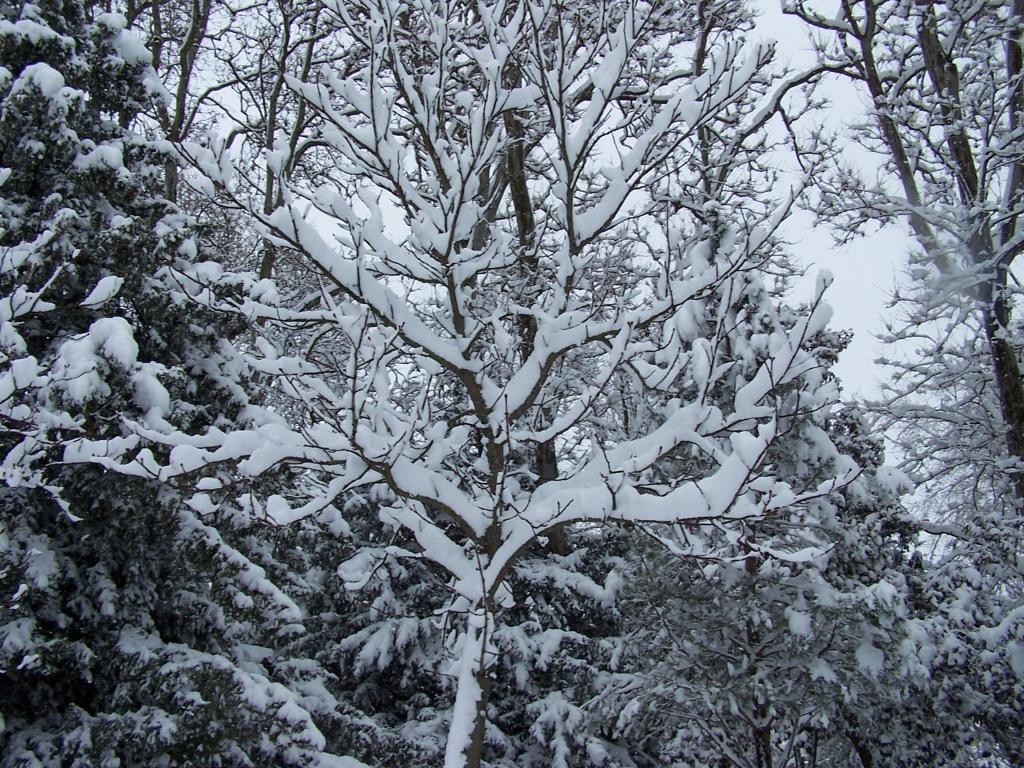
pixel 944 82
pixel 131 631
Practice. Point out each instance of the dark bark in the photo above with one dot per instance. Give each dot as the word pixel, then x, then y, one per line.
pixel 945 78
pixel 867 760
pixel 545 460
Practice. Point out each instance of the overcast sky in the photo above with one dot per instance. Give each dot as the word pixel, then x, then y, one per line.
pixel 865 271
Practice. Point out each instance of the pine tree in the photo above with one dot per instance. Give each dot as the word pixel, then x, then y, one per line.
pixel 132 632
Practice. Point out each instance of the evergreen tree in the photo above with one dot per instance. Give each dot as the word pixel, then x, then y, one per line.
pixel 132 632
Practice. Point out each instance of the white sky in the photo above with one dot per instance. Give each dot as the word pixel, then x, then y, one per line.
pixel 866 270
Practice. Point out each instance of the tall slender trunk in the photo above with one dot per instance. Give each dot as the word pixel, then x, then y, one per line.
pixel 763 747
pixel 1008 380
pixel 175 120
pixel 981 242
pixel 867 760
pixel 545 460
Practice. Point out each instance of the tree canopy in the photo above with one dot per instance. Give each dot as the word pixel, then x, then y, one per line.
pixel 429 383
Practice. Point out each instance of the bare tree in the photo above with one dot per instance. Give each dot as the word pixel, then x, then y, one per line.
pixel 944 82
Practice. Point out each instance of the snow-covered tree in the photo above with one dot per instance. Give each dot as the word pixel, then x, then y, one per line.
pixel 132 631
pixel 484 283
pixel 944 81
pixel 737 643
pixel 944 84
pixel 767 658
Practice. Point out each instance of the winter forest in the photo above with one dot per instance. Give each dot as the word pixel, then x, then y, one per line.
pixel 400 383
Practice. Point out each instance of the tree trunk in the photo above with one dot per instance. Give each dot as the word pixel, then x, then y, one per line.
pixel 867 760
pixel 545 460
pixel 1008 383
pixel 945 77
pixel 465 747
pixel 763 747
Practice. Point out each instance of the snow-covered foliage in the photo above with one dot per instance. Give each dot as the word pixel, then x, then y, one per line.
pixel 765 659
pixel 132 630
pixel 486 286
pixel 411 383
pixel 944 83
